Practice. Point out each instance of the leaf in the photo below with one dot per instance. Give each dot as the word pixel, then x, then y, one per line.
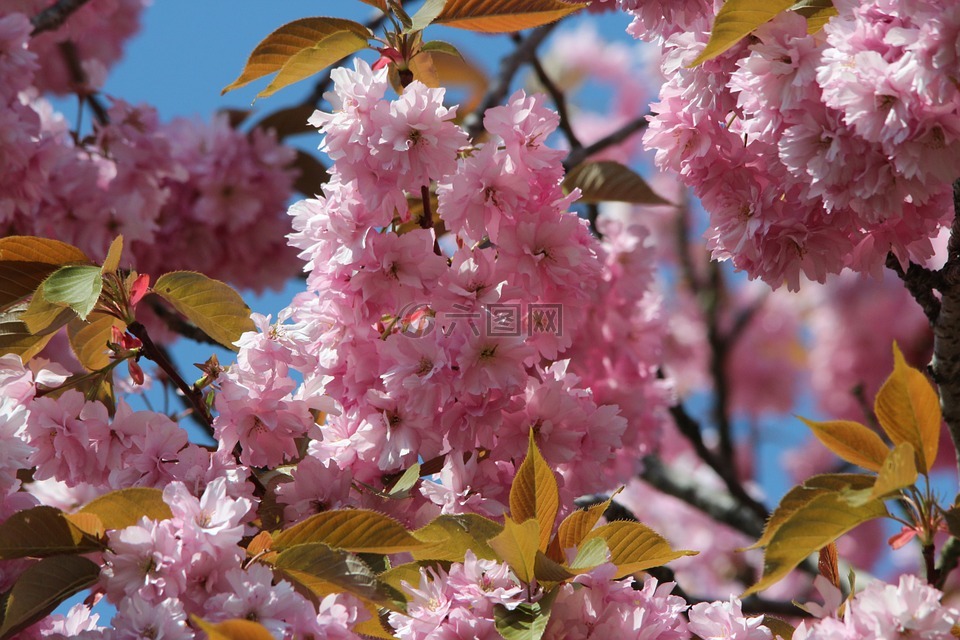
pixel 379 4
pixel 25 262
pixel 324 571
pixel 828 564
pixel 450 536
pixel 112 262
pixel 439 46
pixel 408 572
pixel 213 306
pixel 898 472
pixel 737 19
pixel 952 518
pixel 802 495
pixel 851 441
pixel 817 13
pixel 606 181
pixel 779 628
pixel 237 629
pixel 421 65
pixel 908 409
pixel 17 339
pixel 819 522
pixel 635 547
pixel 42 531
pixel 456 71
pixel 517 545
pixel 288 122
pixel 43 317
pixel 406 482
pixel 534 493
pixel 503 16
pixel 300 49
pixel 526 621
pixel 18 281
pixel 591 553
pixel 312 174
pixel 89 339
pixel 42 587
pixel 125 507
pixel 425 15
pixel 77 287
pixel 356 530
pixel 547 570
pixel 578 524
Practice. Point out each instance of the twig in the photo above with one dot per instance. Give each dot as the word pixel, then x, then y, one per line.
pixel 949 558
pixel 559 100
pixel 178 325
pixel 79 77
pixel 577 156
pixel 54 16
pixel 920 282
pixel 509 66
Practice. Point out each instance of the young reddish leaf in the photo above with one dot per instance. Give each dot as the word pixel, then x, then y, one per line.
pixel 74 286
pixel 210 304
pixel 88 340
pixel 312 174
pixel 288 122
pixel 817 523
pixel 803 494
pixel 323 571
pixel 356 530
pixel 19 281
pixel 503 16
pixel 112 262
pixel 300 49
pixel 448 537
pixel 138 287
pixel 898 472
pixel 456 71
pixel 737 19
pixel 517 545
pixel 237 629
pixel 42 587
pixel 379 4
pixel 609 181
pixel 123 508
pixel 851 441
pixel 908 409
pixel 42 531
pixel 534 493
pixel 635 547
pixel 829 564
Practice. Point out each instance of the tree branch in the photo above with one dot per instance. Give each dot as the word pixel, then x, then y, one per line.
pixel 920 282
pixel 54 16
pixel 497 93
pixel 559 101
pixel 576 156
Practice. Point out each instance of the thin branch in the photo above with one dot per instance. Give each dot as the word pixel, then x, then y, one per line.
pixel 54 16
pixel 509 66
pixel 178 325
pixel 949 559
pixel 577 156
pixel 79 78
pixel 920 282
pixel 559 101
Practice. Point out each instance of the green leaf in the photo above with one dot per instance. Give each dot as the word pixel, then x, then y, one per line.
pixel 236 629
pixel 77 287
pixel 213 306
pixel 635 547
pixel 534 493
pixel 324 570
pixel 406 482
pixel 112 262
pixel 591 553
pixel 851 441
pixel 527 621
pixel 124 508
pixel 300 49
pixel 899 471
pixel 908 409
pixel 408 572
pixel 737 19
pixel 43 317
pixel 517 545
pixel 88 340
pixel 816 524
pixel 439 46
pixel 817 13
pixel 547 570
pixel 42 531
pixel 448 537
pixel 424 16
pixel 503 16
pixel 42 587
pixel 803 494
pixel 356 530
pixel 608 181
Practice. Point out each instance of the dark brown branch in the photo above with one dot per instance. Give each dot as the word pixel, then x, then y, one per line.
pixel 509 66
pixel 151 351
pixel 577 156
pixel 79 78
pixel 559 101
pixel 178 325
pixel 949 559
pixel 54 16
pixel 920 282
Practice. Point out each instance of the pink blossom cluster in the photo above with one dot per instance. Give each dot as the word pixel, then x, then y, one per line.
pixel 815 153
pixel 404 326
pixel 184 195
